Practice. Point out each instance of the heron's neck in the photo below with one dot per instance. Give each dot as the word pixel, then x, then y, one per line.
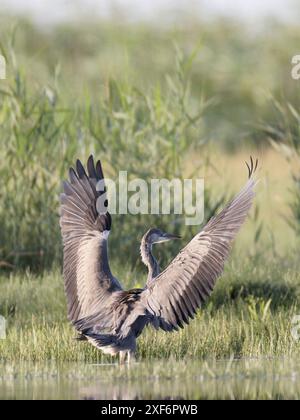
pixel 149 260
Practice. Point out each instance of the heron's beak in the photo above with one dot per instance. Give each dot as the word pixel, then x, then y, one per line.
pixel 169 237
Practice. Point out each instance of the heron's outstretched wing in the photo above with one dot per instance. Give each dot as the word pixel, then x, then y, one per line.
pixel 174 296
pixel 89 283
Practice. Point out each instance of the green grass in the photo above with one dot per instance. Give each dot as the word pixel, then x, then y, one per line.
pixel 149 135
pixel 248 315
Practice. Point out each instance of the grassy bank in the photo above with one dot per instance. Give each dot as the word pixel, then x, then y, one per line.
pixel 249 314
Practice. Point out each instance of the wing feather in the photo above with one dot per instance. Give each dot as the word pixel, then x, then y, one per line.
pixel 174 296
pixel 89 283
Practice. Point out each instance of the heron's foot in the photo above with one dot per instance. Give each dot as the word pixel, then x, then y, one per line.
pixel 130 354
pixel 122 357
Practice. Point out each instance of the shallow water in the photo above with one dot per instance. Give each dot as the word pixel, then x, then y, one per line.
pixel 266 378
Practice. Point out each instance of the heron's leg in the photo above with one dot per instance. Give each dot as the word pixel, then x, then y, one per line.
pixel 131 356
pixel 122 356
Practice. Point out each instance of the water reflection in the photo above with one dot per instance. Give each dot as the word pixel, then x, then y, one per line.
pixel 235 379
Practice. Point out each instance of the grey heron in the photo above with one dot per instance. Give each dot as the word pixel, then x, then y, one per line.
pixel 102 312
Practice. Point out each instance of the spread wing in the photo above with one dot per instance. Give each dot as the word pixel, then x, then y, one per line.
pixel 89 283
pixel 174 296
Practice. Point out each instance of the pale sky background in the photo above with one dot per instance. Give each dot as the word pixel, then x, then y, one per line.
pixel 52 11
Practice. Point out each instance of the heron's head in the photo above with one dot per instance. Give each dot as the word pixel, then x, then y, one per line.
pixel 156 236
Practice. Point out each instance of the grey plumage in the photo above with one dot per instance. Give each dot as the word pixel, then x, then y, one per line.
pixel 151 237
pixel 100 310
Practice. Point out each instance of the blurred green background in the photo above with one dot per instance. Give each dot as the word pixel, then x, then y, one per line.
pixel 180 95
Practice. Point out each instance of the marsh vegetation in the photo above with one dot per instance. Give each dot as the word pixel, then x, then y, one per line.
pixel 188 101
